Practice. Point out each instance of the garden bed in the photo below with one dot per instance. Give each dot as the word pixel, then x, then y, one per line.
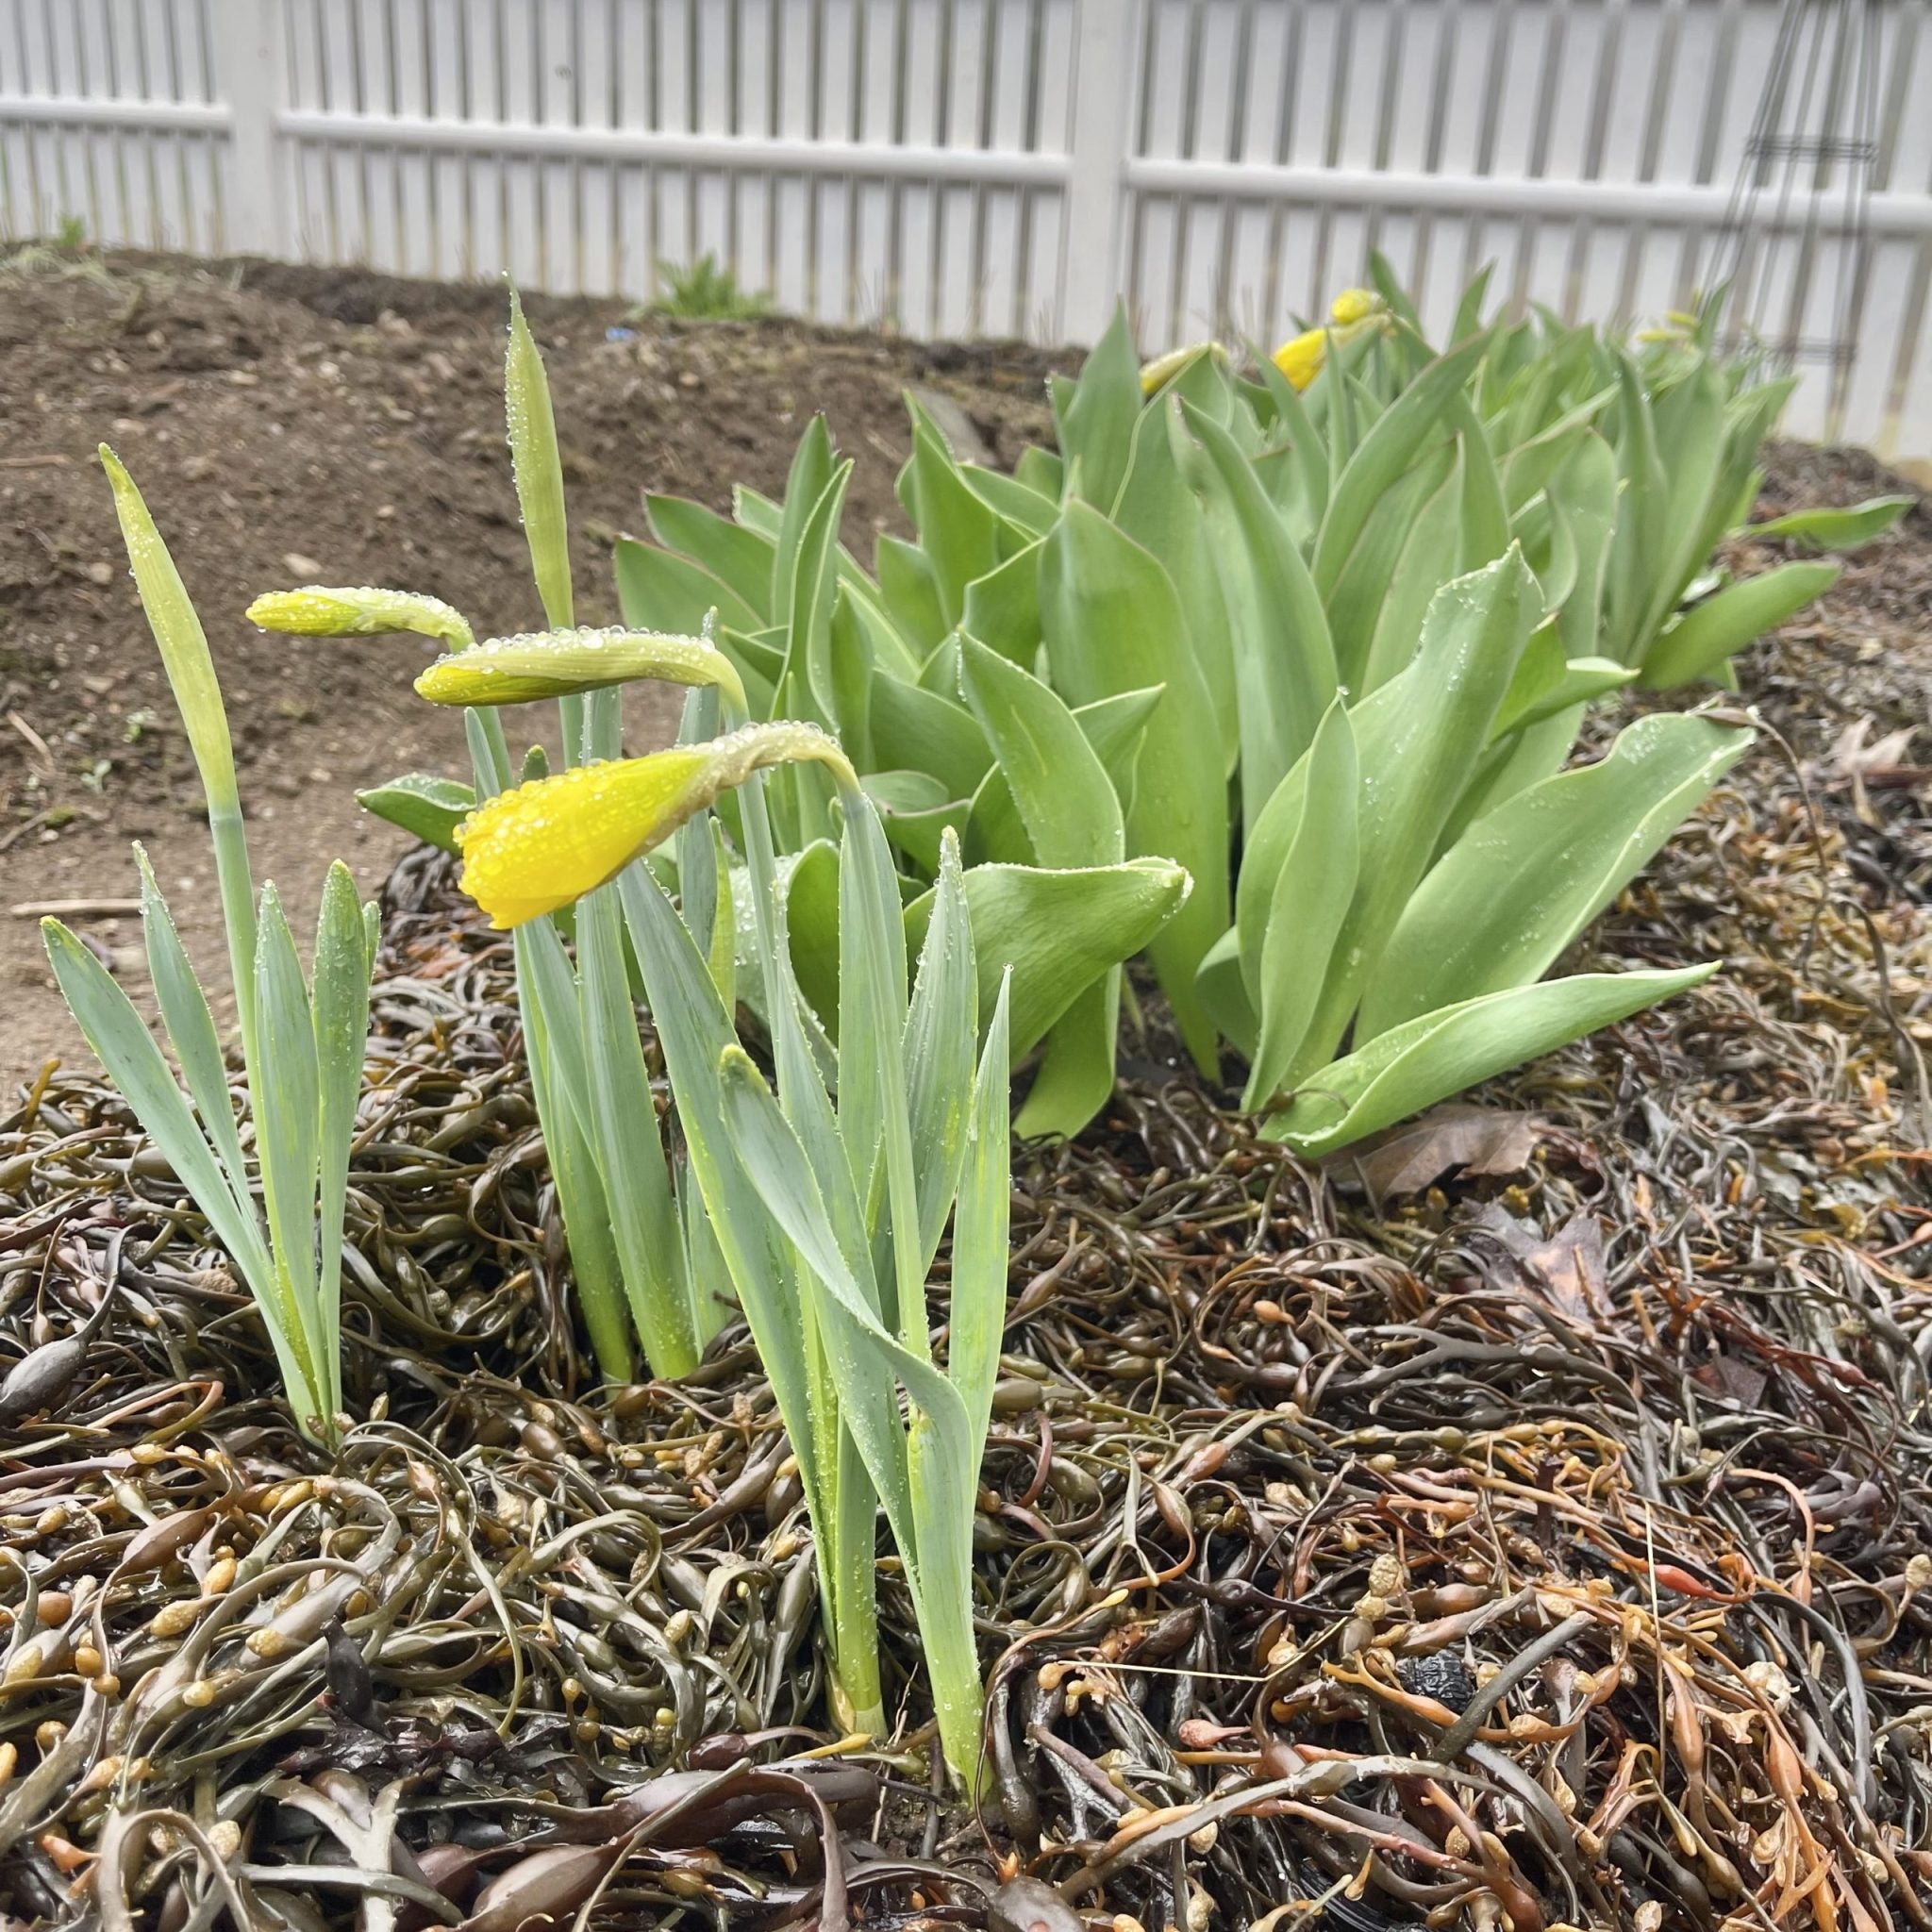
pixel 1561 1465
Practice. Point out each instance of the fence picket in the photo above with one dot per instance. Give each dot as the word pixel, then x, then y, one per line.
pixel 986 165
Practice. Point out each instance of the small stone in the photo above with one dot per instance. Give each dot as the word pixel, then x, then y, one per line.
pixel 100 572
pixel 301 566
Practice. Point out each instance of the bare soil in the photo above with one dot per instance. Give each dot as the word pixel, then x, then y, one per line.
pixel 287 425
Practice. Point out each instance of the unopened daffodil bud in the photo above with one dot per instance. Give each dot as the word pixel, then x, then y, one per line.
pixel 1165 368
pixel 1353 311
pixel 318 611
pixel 539 848
pixel 560 663
pixel 1300 357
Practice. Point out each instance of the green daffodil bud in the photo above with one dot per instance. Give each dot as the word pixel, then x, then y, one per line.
pixel 316 611
pixel 562 663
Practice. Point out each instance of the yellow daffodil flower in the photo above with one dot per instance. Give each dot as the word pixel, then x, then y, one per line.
pixel 539 848
pixel 559 663
pixel 316 612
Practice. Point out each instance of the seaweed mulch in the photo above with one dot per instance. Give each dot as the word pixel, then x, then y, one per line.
pixel 1524 1522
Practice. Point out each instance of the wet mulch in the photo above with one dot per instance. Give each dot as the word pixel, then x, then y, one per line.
pixel 1527 1522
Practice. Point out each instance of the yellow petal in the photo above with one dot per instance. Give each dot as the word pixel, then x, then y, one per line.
pixel 1299 358
pixel 316 612
pixel 559 663
pixel 1355 304
pixel 534 849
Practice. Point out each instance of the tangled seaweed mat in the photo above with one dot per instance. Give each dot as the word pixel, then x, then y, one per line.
pixel 1549 1546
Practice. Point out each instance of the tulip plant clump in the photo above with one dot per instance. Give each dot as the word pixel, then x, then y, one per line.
pixel 1327 638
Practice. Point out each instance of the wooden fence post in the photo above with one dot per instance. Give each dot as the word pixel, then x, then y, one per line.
pixel 1105 36
pixel 249 71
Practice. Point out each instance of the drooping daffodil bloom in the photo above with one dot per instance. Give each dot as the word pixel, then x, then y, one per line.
pixel 317 610
pixel 560 663
pixel 1353 311
pixel 544 844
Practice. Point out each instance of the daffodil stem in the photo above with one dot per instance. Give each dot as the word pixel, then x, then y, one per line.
pixel 237 884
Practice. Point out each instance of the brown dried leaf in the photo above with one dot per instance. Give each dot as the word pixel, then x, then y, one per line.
pixel 1477 1140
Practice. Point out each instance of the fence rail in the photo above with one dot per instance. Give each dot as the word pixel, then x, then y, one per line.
pixel 955 167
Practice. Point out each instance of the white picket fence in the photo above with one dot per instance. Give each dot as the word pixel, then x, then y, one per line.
pixel 985 167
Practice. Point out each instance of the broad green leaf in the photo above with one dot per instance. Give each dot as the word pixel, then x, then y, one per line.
pixel 915 730
pixel 1158 508
pixel 423 805
pixel 1041 470
pixel 1095 417
pixel 1298 486
pixel 1583 498
pixel 1020 506
pixel 1112 623
pixel 1643 538
pixel 1412 1067
pixel 812 464
pixel 1225 995
pixel 1519 886
pixel 1072 817
pixel 729 551
pixel 1389 449
pixel 809 678
pixel 1283 662
pixel 1311 897
pixel 1835 529
pixel 1469 310
pixel 656 590
pixel 1002 609
pixel 1548 682
pixel 1699 643
pixel 812 917
pixel 1417 739
pixel 1058 931
pixel 1409 548
pixel 909 591
pixel 958 533
pixel 1058 785
pixel 1689 421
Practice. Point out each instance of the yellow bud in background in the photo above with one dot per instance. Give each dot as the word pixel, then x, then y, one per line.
pixel 1300 357
pixel 535 849
pixel 316 611
pixel 1355 304
pixel 560 663
pixel 1165 368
